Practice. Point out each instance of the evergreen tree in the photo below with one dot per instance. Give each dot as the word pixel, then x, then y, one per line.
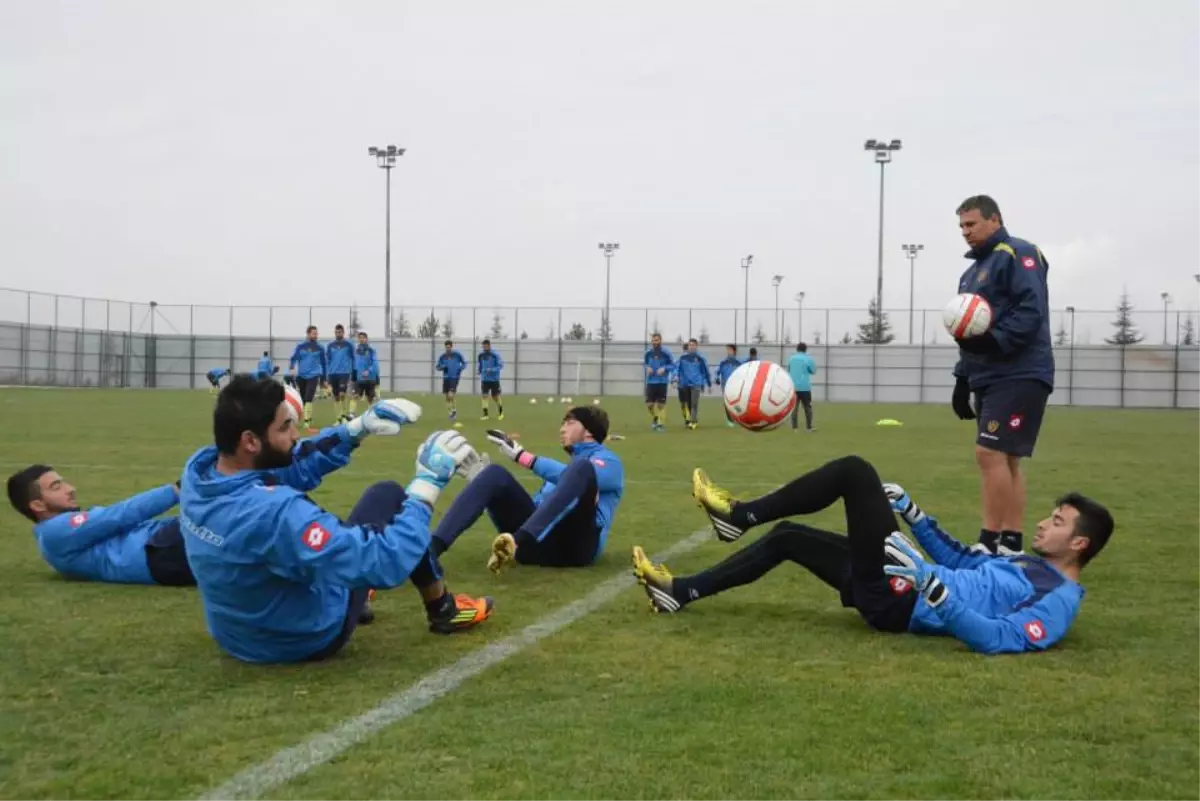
pixel 1126 330
pixel 876 330
pixel 428 328
pixel 577 332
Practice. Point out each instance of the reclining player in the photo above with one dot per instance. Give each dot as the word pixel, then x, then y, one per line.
pixel 126 543
pixel 283 580
pixel 994 604
pixel 567 523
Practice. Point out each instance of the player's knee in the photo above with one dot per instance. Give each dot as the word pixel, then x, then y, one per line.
pixel 859 469
pixel 988 458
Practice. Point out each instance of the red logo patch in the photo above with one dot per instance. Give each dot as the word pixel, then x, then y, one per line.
pixel 78 520
pixel 1035 631
pixel 1014 422
pixel 899 585
pixel 1029 263
pixel 315 536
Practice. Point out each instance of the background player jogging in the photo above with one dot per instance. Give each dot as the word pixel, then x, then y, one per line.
pixel 692 373
pixel 658 368
pixel 489 367
pixel 308 364
pixel 339 363
pixel 451 365
pixel 366 372
pixel 994 604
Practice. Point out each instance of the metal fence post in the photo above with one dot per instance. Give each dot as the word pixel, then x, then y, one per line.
pixel 432 355
pixel 231 343
pixel 127 379
pixel 1071 373
pixel 558 367
pixel 192 349
pixel 516 351
pixel 1175 371
pixel 921 378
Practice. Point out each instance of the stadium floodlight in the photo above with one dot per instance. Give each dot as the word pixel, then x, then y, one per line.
pixel 776 280
pixel 911 252
pixel 883 155
pixel 746 300
pixel 1166 299
pixel 385 159
pixel 610 249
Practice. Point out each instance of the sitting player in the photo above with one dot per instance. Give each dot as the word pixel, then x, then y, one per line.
pixel 283 580
pixel 567 523
pixel 994 604
pixel 214 377
pixel 366 373
pixel 126 543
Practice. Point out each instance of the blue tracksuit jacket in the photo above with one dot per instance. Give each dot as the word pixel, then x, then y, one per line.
pixel 266 367
pixel 725 369
pixel 692 370
pixel 339 357
pixel 452 364
pixel 997 604
pixel 1011 274
pixel 275 570
pixel 490 365
pixel 217 373
pixel 655 360
pixel 366 363
pixel 610 482
pixel 311 358
pixel 802 368
pixel 106 543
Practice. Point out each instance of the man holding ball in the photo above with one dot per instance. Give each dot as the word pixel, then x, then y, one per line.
pixel 1009 367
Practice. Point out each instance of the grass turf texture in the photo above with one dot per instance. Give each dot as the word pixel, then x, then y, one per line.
pixel 768 691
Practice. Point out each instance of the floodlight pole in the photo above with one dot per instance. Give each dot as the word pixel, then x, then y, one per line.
pixel 610 249
pixel 776 280
pixel 1166 299
pixel 883 156
pixel 911 251
pixel 746 300
pixel 385 159
pixel 799 316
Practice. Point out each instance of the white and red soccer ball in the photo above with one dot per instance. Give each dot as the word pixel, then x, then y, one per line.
pixel 295 404
pixel 967 316
pixel 759 395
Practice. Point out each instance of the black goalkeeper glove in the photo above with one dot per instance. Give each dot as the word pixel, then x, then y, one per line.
pixel 961 401
pixel 983 344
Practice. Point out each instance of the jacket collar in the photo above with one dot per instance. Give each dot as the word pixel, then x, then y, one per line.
pixel 987 247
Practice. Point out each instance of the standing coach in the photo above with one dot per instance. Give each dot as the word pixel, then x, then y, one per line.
pixel 1010 367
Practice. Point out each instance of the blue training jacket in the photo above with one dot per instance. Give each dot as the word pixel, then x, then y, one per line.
pixel 366 363
pixel 266 367
pixel 1011 274
pixel 656 360
pixel 106 543
pixel 996 604
pixel 311 358
pixel 802 368
pixel 692 370
pixel 217 373
pixel 490 365
pixel 275 570
pixel 339 357
pixel 610 482
pixel 451 364
pixel 725 369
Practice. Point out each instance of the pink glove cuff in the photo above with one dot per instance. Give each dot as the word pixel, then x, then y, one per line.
pixel 526 459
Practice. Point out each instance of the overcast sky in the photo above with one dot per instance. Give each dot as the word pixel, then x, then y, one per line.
pixel 216 152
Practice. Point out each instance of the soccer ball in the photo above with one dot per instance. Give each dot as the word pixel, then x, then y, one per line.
pixel 533 401
pixel 759 395
pixel 295 404
pixel 967 316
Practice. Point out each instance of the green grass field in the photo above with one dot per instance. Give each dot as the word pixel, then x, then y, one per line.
pixel 773 691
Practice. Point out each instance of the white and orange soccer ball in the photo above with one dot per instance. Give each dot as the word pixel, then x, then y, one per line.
pixel 967 316
pixel 759 395
pixel 295 404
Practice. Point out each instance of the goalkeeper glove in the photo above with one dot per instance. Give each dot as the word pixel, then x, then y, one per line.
pixel 385 418
pixel 908 564
pixel 439 458
pixel 510 447
pixel 982 344
pixel 903 505
pixel 960 401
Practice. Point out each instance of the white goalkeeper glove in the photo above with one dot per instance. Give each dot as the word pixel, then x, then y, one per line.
pixel 510 447
pixel 473 465
pixel 908 564
pixel 903 505
pixel 384 418
pixel 439 458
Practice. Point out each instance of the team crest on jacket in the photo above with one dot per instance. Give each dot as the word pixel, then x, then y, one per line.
pixel 1029 263
pixel 78 519
pixel 598 462
pixel 315 536
pixel 1015 421
pixel 1035 630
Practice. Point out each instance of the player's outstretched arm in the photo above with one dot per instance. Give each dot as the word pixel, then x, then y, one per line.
pixel 76 531
pixel 942 548
pixel 309 544
pixel 545 467
pixel 1034 628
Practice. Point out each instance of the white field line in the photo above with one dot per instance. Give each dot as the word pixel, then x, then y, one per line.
pixel 320 748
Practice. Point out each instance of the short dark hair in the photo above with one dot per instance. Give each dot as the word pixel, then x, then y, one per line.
pixel 246 404
pixel 732 347
pixel 986 207
pixel 266 353
pixel 339 327
pixel 754 350
pixel 801 347
pixel 693 339
pixel 486 342
pixel 449 342
pixel 1094 522
pixel 310 329
pixel 23 488
pixel 363 333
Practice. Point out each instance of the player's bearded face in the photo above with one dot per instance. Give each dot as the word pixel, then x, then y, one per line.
pixel 275 449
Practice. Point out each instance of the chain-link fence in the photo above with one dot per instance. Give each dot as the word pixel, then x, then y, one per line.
pixel 69 341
